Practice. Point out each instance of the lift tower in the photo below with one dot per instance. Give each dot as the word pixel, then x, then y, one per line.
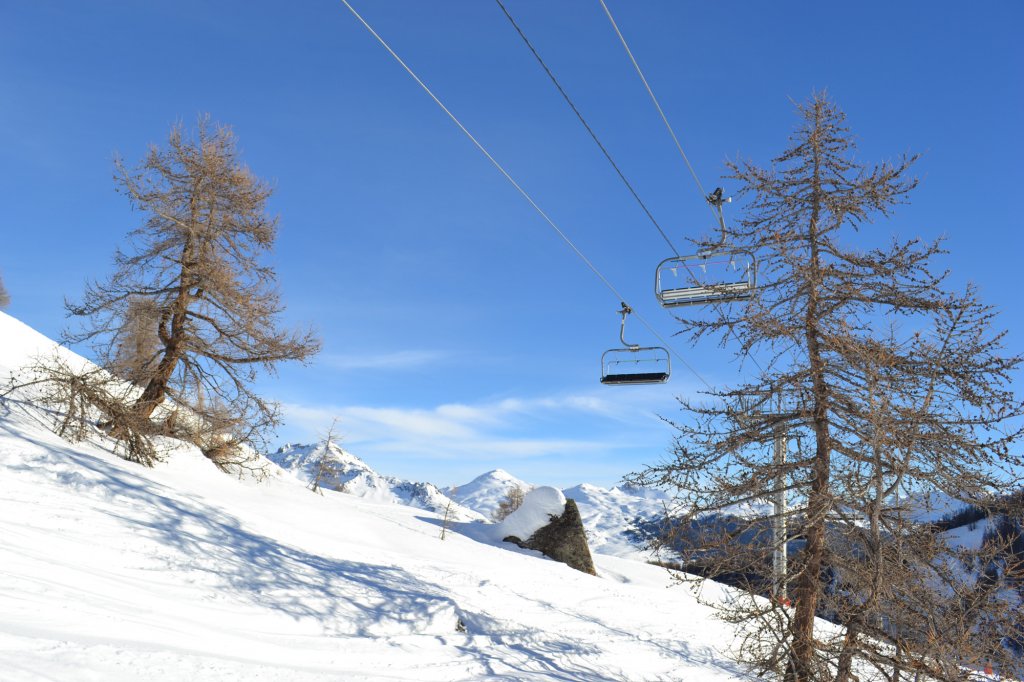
pixel 776 410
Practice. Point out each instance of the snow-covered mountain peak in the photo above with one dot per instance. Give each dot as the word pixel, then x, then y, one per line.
pixel 295 457
pixel 337 469
pixel 588 490
pixel 493 478
pixel 486 491
pixel 497 474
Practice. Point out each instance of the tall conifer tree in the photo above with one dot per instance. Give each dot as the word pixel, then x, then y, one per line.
pixel 889 384
pixel 192 311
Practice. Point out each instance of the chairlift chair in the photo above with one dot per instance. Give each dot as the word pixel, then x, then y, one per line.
pixel 632 364
pixel 717 274
pixel 706 277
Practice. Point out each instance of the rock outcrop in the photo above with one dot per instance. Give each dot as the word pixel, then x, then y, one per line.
pixel 562 539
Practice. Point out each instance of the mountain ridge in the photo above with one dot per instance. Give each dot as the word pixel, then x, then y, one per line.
pixel 610 515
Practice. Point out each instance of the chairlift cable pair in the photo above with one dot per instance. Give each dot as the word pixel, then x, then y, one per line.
pixel 654 99
pixel 738 289
pixel 586 125
pixel 671 291
pixel 632 364
pixel 522 191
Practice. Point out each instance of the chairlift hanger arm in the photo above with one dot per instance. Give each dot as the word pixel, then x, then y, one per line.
pixel 626 310
pixel 717 200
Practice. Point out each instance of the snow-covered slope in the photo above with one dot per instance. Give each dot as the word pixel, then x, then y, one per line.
pixel 347 473
pixel 20 344
pixel 931 506
pixel 111 571
pixel 610 516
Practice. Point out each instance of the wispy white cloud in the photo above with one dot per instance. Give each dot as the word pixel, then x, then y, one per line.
pixel 402 359
pixel 507 428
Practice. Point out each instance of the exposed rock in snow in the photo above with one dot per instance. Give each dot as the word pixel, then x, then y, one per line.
pixel 563 539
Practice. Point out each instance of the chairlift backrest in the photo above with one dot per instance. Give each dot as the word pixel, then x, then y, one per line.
pixel 709 277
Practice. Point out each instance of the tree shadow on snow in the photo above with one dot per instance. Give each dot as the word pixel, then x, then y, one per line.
pixel 346 597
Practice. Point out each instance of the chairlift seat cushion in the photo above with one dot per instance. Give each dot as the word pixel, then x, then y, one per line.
pixel 636 378
pixel 715 292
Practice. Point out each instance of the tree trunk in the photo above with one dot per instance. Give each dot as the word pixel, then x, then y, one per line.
pixel 818 498
pixel 844 667
pixel 156 387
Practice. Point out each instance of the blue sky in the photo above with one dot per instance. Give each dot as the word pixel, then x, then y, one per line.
pixel 460 333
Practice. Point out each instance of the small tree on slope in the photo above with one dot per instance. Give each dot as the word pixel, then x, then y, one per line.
pixel 889 384
pixel 194 273
pixel 512 500
pixel 326 467
pixel 5 299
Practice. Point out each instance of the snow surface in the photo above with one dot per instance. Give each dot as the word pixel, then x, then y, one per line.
pixel 110 571
pixel 113 572
pixel 930 506
pixel 969 536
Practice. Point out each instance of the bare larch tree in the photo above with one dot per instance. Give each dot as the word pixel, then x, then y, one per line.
pixel 191 311
pixel 326 466
pixel 889 384
pixel 5 299
pixel 512 500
